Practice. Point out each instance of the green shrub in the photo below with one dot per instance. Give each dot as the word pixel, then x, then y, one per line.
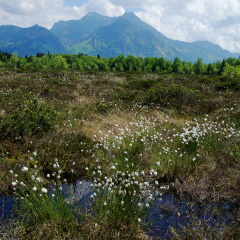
pixel 128 95
pixel 31 118
pixel 174 95
pixel 103 107
pixel 141 84
pixel 229 84
pixel 155 94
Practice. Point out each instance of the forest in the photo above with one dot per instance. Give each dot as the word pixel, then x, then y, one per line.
pixel 121 63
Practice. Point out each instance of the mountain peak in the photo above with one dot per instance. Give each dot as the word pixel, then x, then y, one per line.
pixel 129 14
pixel 92 14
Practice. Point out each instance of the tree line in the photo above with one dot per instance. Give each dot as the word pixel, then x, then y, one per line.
pixel 121 63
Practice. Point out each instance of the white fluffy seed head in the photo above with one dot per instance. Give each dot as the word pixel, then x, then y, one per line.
pixel 14 184
pixel 24 169
pixel 44 190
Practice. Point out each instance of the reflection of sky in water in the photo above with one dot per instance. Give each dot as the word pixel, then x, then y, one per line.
pixel 78 192
pixel 164 213
pixel 171 212
pixel 6 204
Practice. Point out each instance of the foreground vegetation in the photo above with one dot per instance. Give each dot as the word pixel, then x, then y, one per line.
pixel 133 135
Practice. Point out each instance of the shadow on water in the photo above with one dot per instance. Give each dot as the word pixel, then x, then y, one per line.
pixel 166 212
pixel 172 212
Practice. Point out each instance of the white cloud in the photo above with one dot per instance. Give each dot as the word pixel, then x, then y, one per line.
pixel 26 13
pixel 188 20
pixel 194 20
pixel 104 7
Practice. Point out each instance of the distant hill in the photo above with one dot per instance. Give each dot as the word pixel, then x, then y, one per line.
pixel 76 31
pixel 28 41
pixel 122 37
pixel 129 35
pixel 107 36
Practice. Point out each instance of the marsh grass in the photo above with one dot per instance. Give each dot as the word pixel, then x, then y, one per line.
pixel 119 122
pixel 40 210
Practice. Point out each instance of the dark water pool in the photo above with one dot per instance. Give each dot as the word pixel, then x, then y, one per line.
pixel 168 211
pixel 6 204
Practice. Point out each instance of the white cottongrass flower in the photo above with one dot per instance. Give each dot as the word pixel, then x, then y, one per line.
pixel 14 184
pixel 24 169
pixel 55 165
pixel 34 189
pixel 11 171
pixel 139 220
pixel 44 190
pixel 38 179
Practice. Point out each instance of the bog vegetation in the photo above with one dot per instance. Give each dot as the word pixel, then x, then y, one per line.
pixel 133 128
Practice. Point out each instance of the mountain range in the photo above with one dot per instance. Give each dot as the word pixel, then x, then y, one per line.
pixel 107 36
pixel 29 41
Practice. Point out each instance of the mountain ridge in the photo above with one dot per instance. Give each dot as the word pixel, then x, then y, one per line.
pixel 28 41
pixel 107 36
pixel 167 47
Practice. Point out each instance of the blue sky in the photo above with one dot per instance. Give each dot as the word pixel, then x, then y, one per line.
pixel 75 2
pixel 188 20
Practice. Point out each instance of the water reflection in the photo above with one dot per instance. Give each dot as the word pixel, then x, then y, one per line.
pixel 168 211
pixel 78 192
pixel 6 204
